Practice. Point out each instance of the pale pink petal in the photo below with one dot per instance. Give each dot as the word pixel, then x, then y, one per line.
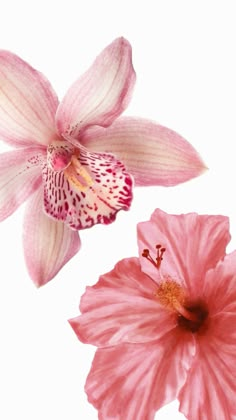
pixel 153 154
pixel 48 245
pixel 210 389
pixel 20 176
pixel 27 103
pixel 132 381
pixel 101 94
pixel 219 288
pixel 194 244
pixel 91 190
pixel 122 307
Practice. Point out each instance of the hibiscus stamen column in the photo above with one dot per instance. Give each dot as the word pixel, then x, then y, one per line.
pixel 172 295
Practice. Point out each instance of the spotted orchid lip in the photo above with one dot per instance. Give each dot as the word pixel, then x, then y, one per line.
pixel 90 189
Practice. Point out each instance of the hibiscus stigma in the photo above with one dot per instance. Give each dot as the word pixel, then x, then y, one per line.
pixel 159 256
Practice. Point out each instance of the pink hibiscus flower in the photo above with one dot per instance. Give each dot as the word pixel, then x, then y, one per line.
pixel 165 323
pixel 62 158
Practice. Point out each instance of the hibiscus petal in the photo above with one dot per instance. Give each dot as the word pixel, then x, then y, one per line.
pixel 101 94
pixel 27 103
pixel 194 244
pixel 122 307
pixel 220 295
pixel 91 190
pixel 132 381
pixel 48 244
pixel 153 154
pixel 209 392
pixel 20 176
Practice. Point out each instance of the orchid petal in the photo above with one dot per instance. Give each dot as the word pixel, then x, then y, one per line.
pixel 27 103
pixel 153 154
pixel 101 94
pixel 20 176
pixel 48 244
pixel 122 307
pixel 132 381
pixel 194 244
pixel 91 190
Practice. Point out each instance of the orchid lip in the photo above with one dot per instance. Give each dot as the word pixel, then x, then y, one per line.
pixel 83 188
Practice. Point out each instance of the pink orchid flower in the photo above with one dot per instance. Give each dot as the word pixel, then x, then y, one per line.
pixel 62 159
pixel 164 323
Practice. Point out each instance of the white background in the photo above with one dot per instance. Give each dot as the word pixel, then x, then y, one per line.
pixel 184 56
